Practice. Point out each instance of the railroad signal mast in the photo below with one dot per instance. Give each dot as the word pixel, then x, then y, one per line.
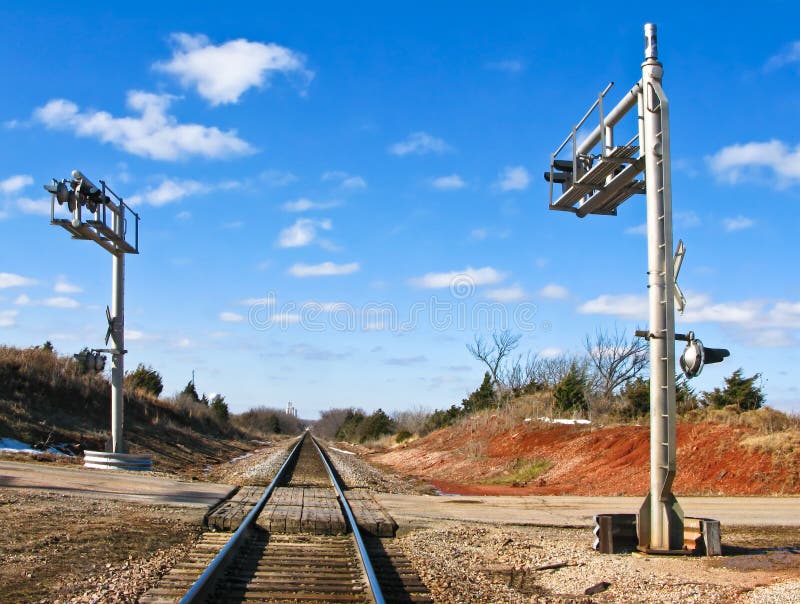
pixel 598 184
pixel 100 215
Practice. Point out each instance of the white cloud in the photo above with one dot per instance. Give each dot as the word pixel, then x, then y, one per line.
pixel 134 335
pixel 306 205
pixel 756 320
pixel 344 180
pixel 54 302
pixel 324 269
pixel 230 317
pixel 513 178
pixel 267 301
pixel 785 314
pixel 479 234
pixel 468 277
pixel 738 223
pixel 8 318
pixel 550 353
pixel 639 229
pixel 303 232
pixel 624 306
pixel 507 65
pixel 38 207
pixel 554 292
pixel 153 133
pixel 419 143
pixel 14 184
pixel 687 219
pixel 285 318
pixel 183 216
pixel 757 161
pixel 788 55
pixel 772 338
pixel 448 183
pixel 63 286
pixel 169 191
pixel 221 74
pixel 59 302
pixel 173 190
pixel 12 280
pixel 514 293
pixel 746 313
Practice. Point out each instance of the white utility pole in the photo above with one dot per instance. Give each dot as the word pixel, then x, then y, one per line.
pixel 660 516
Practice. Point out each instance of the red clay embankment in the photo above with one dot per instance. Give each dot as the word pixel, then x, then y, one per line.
pixel 713 459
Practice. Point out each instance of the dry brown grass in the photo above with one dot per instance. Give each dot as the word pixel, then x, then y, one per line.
pixel 46 398
pixel 765 420
pixel 786 442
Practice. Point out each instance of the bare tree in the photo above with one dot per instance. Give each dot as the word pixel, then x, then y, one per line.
pixel 493 353
pixel 522 374
pixel 413 419
pixel 550 371
pixel 615 359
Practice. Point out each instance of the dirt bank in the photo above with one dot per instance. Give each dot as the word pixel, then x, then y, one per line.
pixel 481 458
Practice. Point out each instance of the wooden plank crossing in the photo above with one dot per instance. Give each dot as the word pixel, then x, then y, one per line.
pixel 229 514
pixel 370 515
pixel 311 510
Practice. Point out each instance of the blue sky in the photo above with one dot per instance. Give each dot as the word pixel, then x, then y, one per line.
pixel 335 198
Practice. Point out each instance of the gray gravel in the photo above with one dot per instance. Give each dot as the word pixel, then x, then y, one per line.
pixel 358 473
pixel 464 563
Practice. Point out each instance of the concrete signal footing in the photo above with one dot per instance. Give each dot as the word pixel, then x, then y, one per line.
pixel 617 533
pixel 117 461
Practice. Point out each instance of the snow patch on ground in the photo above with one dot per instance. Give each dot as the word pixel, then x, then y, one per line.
pixel 550 420
pixel 11 445
pixel 341 451
pixel 245 456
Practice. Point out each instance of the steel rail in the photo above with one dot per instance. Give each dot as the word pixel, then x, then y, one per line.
pixel 377 594
pixel 201 589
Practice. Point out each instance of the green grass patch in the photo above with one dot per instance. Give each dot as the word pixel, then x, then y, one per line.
pixel 523 471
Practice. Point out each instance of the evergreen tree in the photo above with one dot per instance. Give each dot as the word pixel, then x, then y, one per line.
pixel 190 392
pixel 739 391
pixel 219 407
pixel 145 378
pixel 375 426
pixel 637 394
pixel 569 392
pixel 482 398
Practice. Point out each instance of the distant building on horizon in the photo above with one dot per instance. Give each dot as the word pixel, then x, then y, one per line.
pixel 290 409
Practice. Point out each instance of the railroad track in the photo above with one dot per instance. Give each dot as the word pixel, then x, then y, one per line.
pixel 300 541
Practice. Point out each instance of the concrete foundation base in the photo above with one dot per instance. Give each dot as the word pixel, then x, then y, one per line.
pixel 117 461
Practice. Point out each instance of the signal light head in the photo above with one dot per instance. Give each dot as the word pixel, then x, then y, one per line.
pixel 696 356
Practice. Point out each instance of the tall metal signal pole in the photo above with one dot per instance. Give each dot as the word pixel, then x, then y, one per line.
pixel 107 225
pixel 660 508
pixel 598 184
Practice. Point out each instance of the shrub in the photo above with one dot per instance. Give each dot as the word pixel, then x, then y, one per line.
pixel 569 392
pixel 403 436
pixel 220 408
pixel 739 391
pixel 146 379
pixel 482 398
